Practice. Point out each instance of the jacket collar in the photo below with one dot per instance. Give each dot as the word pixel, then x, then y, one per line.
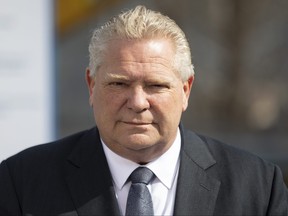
pixel 196 190
pixel 89 179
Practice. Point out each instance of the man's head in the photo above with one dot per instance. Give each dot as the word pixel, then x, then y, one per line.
pixel 139 83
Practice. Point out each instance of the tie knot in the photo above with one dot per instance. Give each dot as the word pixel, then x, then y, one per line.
pixel 141 175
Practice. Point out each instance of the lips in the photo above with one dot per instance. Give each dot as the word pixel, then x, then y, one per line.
pixel 137 123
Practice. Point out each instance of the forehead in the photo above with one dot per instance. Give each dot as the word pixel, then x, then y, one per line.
pixel 138 56
pixel 144 50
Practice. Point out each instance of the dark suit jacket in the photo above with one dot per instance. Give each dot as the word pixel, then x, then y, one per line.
pixel 71 177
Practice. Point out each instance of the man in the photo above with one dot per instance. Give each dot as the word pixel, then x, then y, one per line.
pixel 139 80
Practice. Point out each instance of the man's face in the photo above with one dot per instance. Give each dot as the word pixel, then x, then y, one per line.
pixel 138 98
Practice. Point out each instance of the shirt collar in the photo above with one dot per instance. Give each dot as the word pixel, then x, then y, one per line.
pixel 165 167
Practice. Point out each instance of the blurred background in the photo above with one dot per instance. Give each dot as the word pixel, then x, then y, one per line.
pixel 240 53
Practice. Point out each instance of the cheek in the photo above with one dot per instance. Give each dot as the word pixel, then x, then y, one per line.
pixel 169 105
pixel 175 100
pixel 106 102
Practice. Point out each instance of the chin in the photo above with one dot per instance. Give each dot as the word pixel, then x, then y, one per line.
pixel 139 142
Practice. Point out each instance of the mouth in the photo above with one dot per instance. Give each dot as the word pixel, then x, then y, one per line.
pixel 137 123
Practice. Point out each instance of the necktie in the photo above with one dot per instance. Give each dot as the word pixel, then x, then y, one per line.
pixel 139 200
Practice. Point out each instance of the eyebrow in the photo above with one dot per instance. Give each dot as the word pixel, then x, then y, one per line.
pixel 116 76
pixel 120 77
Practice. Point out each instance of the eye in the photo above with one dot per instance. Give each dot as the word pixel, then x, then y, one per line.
pixel 117 84
pixel 159 86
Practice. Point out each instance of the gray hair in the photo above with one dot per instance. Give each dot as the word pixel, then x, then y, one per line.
pixel 141 23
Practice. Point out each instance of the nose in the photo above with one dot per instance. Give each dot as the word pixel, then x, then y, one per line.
pixel 137 100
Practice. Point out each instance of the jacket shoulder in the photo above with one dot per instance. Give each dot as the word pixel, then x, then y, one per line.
pixel 232 163
pixel 234 155
pixel 250 185
pixel 47 152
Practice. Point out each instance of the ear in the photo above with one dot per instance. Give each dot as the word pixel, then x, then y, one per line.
pixel 187 86
pixel 90 81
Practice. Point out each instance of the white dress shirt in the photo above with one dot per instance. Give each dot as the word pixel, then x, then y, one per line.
pixel 162 188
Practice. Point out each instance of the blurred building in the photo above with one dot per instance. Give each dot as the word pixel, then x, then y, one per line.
pixel 240 53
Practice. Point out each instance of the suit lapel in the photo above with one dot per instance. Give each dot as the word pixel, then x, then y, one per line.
pixel 196 191
pixel 89 179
